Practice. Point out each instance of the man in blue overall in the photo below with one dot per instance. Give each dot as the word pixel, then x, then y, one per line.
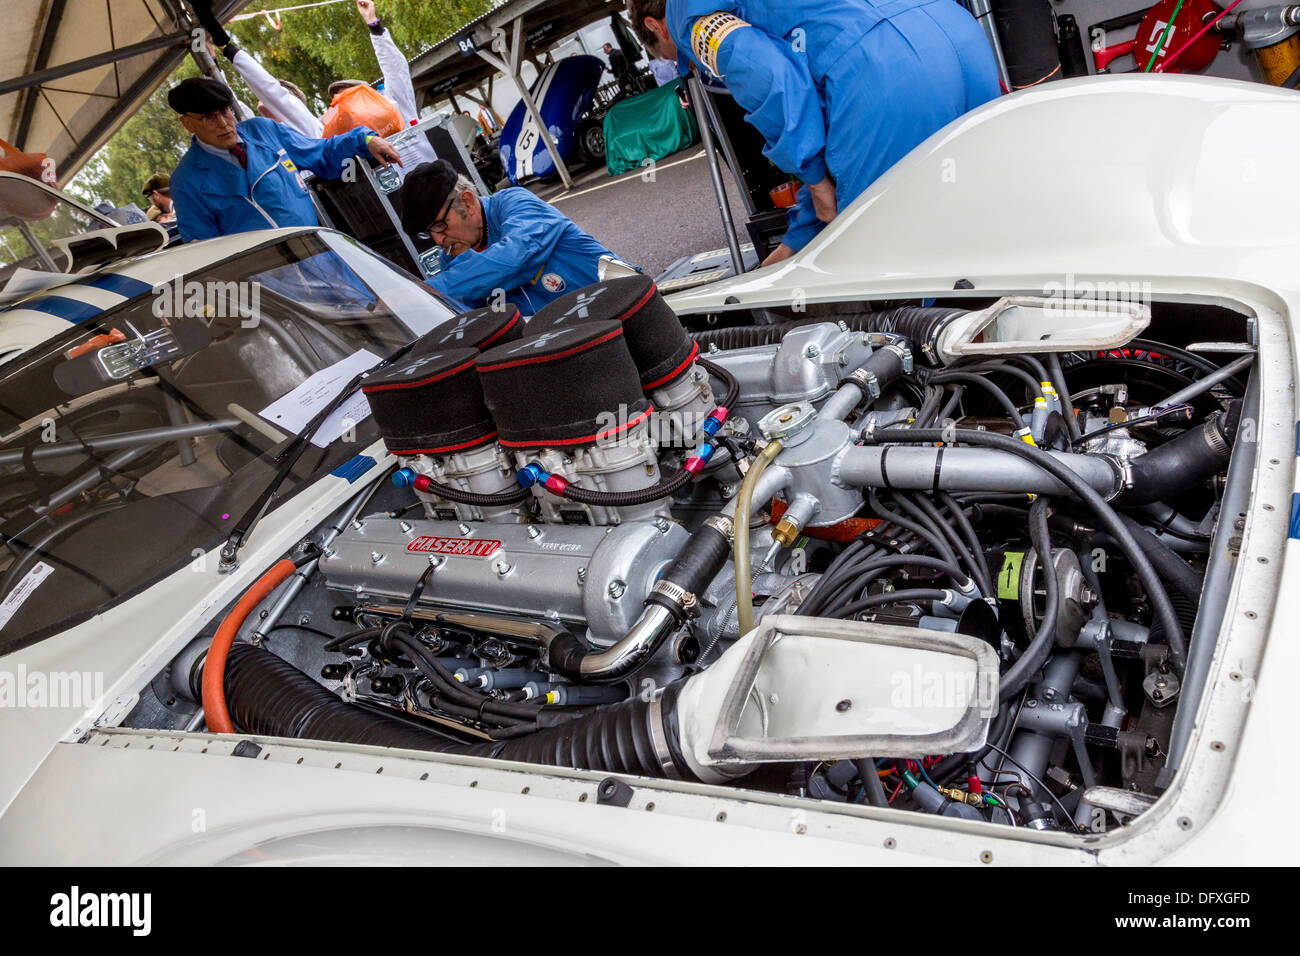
pixel 510 247
pixel 840 89
pixel 237 177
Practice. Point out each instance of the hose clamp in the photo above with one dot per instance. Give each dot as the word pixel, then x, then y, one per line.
pixel 904 354
pixel 1215 438
pixel 1124 472
pixel 659 737
pixel 866 381
pixel 675 594
pixel 721 524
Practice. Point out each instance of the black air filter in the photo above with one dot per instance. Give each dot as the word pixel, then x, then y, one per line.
pixel 659 345
pixel 432 405
pixel 480 329
pixel 565 387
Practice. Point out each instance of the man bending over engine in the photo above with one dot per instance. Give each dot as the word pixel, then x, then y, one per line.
pixel 840 89
pixel 510 247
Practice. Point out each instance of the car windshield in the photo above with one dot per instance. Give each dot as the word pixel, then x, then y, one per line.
pixel 32 220
pixel 158 422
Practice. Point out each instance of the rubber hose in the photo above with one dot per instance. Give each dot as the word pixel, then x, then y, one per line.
pixel 627 499
pixel 920 325
pixel 1106 515
pixel 215 711
pixel 513 497
pixel 270 697
pixel 1192 457
pixel 733 385
pixel 740 548
pixel 1173 570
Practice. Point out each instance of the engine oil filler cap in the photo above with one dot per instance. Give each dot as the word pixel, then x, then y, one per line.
pixel 659 344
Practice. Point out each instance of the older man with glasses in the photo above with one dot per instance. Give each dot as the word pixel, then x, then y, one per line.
pixel 237 177
pixel 511 247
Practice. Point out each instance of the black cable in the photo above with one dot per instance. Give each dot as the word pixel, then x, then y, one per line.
pixel 906 596
pixel 1017 678
pixel 1063 392
pixel 971 558
pixel 967 531
pixel 1133 423
pixel 1106 515
pixel 864 571
pixel 733 387
pixel 1042 786
pixel 301 627
pixel 925 534
pixel 970 378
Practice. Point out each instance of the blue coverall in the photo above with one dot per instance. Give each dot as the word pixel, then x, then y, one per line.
pixel 215 197
pixel 535 253
pixel 845 87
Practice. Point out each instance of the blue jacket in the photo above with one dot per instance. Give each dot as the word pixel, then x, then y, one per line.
pixel 535 254
pixel 843 88
pixel 214 197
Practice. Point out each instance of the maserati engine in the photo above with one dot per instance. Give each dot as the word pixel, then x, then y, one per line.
pixel 948 560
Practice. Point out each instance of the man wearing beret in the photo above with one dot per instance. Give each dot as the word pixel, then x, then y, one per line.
pixel 511 242
pixel 237 177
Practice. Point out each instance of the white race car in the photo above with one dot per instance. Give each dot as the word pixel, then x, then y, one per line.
pixel 957 538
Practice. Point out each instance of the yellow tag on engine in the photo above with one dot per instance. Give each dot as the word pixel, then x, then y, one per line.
pixel 1009 576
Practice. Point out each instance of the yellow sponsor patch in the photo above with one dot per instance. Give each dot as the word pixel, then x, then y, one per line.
pixel 707 35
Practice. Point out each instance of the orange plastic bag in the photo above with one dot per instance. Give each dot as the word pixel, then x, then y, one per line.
pixel 28 204
pixel 362 106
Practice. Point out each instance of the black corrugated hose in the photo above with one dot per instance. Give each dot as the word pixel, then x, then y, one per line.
pixel 921 325
pixel 267 696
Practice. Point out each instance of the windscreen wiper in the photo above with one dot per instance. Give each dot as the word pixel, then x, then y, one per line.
pixel 289 457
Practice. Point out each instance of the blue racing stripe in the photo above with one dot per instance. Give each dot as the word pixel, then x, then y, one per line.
pixel 120 284
pixel 74 310
pixel 1295 516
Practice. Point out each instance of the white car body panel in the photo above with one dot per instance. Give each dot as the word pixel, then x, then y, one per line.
pixel 1188 188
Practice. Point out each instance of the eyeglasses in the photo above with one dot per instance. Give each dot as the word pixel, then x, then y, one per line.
pixel 214 116
pixel 441 224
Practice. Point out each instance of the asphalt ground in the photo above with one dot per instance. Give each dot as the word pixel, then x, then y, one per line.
pixel 654 216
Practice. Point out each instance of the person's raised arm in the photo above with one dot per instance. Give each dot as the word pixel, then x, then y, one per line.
pixel 330 158
pixel 397 71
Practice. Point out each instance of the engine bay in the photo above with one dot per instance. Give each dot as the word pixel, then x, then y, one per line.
pixel 945 560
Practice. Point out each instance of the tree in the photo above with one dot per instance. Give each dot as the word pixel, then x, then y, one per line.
pixel 313 48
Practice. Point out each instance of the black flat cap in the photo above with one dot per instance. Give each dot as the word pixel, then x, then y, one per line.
pixel 424 193
pixel 200 94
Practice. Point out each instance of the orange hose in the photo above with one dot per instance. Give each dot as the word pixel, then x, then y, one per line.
pixel 214 667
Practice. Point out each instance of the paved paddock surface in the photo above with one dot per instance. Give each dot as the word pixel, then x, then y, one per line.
pixel 650 221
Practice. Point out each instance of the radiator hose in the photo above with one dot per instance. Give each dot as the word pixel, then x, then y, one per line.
pixel 1192 457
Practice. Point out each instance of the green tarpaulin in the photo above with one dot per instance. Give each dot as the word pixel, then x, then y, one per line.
pixel 650 126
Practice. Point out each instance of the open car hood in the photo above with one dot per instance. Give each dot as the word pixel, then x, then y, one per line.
pixel 1182 175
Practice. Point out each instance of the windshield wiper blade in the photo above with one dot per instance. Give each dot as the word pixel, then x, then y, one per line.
pixel 289 457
